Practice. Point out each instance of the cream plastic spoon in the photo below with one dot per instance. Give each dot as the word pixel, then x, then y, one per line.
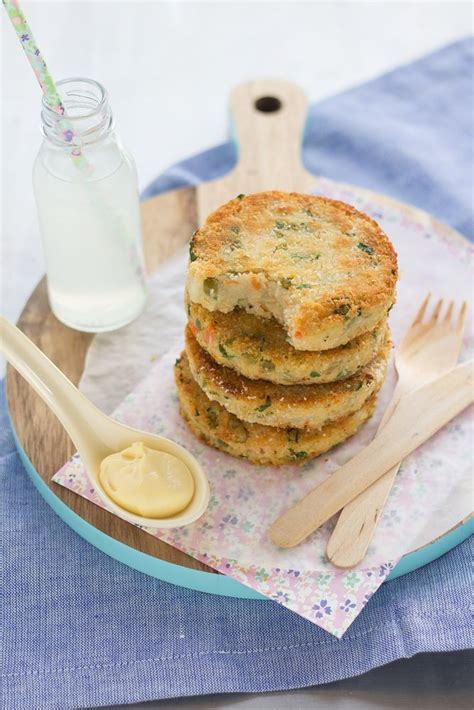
pixel 94 434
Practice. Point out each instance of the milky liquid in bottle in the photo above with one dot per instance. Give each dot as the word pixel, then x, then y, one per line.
pixel 90 225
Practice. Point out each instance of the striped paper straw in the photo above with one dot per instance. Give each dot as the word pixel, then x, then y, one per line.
pixel 45 80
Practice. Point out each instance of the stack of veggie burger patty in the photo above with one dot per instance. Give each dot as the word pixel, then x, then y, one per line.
pixel 287 340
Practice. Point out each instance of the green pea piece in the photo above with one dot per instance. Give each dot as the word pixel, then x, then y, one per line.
pixel 210 287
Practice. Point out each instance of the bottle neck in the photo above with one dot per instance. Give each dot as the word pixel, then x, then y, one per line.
pixel 87 116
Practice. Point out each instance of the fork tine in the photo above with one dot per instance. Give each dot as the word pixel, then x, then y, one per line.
pixel 449 312
pixel 462 317
pixel 436 311
pixel 421 311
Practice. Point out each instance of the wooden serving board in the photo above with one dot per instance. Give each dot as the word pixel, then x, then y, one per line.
pixel 268 119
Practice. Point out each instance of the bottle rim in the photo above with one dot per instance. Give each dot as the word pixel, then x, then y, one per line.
pixel 90 116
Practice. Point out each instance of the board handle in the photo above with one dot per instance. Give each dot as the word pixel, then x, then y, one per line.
pixel 268 119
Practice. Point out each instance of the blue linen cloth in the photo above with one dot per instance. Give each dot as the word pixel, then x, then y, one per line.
pixel 81 629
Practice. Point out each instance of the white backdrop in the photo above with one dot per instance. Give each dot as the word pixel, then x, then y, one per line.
pixel 169 66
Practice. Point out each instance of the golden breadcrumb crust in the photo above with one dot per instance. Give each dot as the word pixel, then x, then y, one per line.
pixel 258 443
pixel 324 270
pixel 258 349
pixel 296 406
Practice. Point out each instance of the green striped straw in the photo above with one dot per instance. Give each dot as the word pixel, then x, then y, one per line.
pixel 45 80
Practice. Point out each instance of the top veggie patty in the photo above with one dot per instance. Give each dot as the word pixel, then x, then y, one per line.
pixel 322 269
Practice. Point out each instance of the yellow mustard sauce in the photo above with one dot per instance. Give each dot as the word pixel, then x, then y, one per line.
pixel 147 482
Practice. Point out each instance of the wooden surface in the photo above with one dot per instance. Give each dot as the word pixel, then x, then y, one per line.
pixel 269 140
pixel 269 158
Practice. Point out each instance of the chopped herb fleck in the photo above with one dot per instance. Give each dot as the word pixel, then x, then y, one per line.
pixel 196 413
pixel 224 352
pixel 298 454
pixel 239 431
pixel 212 417
pixel 313 373
pixel 293 226
pixel 286 283
pixel 221 442
pixel 365 247
pixel 293 435
pixel 267 365
pixel 390 308
pixel 265 405
pixel 192 253
pixel 241 196
pixel 306 257
pixel 177 361
pixel 235 228
pixel 236 244
pixel 304 286
pixel 342 310
pixel 210 287
pixel 198 324
pixel 343 374
pixel 357 386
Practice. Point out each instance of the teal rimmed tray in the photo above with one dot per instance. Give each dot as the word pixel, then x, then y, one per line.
pixel 207 581
pixel 168 221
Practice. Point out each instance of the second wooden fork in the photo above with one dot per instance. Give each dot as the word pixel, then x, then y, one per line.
pixel 428 349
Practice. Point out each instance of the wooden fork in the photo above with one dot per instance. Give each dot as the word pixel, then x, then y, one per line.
pixel 429 348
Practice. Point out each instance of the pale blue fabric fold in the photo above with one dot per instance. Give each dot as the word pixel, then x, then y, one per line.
pixel 81 629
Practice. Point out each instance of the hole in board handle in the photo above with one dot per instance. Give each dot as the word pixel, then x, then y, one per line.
pixel 268 104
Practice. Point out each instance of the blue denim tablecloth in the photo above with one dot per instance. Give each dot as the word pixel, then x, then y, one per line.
pixel 81 629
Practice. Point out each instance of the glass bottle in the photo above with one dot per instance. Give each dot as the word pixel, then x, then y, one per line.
pixel 86 192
